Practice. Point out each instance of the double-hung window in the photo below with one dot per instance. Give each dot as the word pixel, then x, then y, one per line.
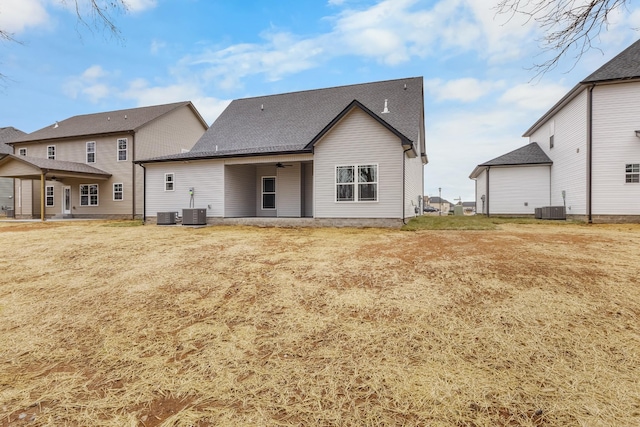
pixel 49 196
pixel 89 195
pixel 632 172
pixel 268 192
pixel 357 183
pixel 51 152
pixel 169 182
pixel 122 149
pixel 91 152
pixel 118 193
pixel 22 151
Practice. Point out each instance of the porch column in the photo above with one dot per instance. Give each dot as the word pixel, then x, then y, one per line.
pixel 42 195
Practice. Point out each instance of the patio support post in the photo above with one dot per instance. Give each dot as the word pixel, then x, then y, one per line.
pixel 42 174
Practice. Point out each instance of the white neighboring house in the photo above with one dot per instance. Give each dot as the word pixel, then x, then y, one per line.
pixel 591 138
pixel 349 155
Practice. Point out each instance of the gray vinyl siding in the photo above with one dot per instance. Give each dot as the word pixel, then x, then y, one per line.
pixel 569 154
pixel 615 119
pixel 6 193
pixel 358 139
pixel 289 191
pixel 414 186
pixel 518 190
pixel 205 176
pixel 308 190
pixel 240 190
pixel 265 171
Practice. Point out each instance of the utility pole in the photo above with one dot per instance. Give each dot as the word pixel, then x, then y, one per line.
pixel 440 196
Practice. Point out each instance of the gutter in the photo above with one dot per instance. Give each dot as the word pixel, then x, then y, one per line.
pixel 133 175
pixel 488 169
pixel 144 194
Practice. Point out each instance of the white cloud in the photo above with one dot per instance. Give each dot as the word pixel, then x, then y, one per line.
pixel 464 90
pixel 336 2
pixel 534 97
pixel 18 15
pixel 157 46
pixel 88 83
pixel 135 6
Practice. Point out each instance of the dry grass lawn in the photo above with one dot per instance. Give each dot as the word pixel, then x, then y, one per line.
pixel 527 325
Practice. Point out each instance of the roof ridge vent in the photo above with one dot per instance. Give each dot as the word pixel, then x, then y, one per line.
pixel 386 109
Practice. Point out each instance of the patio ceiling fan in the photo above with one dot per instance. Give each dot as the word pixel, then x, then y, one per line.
pixel 280 165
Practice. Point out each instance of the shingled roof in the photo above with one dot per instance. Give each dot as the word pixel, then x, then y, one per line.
pixel 625 65
pixel 8 134
pixel 292 122
pixel 109 122
pixel 57 166
pixel 530 154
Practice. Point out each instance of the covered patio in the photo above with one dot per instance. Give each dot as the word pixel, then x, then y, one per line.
pixel 43 170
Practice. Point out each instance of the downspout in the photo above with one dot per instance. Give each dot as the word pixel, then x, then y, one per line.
pixel 589 151
pixel 133 175
pixel 403 183
pixel 488 168
pixel 144 194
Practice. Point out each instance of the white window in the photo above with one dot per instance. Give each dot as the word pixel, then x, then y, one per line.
pixel 357 183
pixel 118 193
pixel 22 151
pixel 169 182
pixel 122 149
pixel 268 192
pixel 89 195
pixel 632 172
pixel 49 196
pixel 51 152
pixel 91 152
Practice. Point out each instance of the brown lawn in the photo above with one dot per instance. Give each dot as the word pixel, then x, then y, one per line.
pixel 528 325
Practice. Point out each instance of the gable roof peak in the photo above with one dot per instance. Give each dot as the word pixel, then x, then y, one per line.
pixel 623 66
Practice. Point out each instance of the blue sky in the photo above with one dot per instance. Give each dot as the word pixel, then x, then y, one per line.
pixel 479 94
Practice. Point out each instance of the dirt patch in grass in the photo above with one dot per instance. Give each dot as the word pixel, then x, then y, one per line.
pixel 525 325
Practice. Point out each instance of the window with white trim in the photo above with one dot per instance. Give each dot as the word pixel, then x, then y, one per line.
pixel 118 193
pixel 89 195
pixel 49 196
pixel 632 173
pixel 22 151
pixel 122 149
pixel 91 152
pixel 268 192
pixel 169 182
pixel 51 152
pixel 357 183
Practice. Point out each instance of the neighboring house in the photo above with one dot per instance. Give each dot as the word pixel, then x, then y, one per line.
pixel 7 134
pixel 83 166
pixel 354 153
pixel 515 183
pixel 590 144
pixel 443 205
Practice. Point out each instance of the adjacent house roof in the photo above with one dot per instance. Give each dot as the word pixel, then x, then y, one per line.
pixel 436 199
pixel 119 121
pixel 8 134
pixel 530 154
pixel 624 66
pixel 294 122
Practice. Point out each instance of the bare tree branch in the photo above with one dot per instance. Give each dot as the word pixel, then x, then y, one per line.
pixel 568 24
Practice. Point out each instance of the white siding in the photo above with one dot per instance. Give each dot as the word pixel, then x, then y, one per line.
pixel 414 186
pixel 289 191
pixel 205 176
pixel 358 139
pixel 518 190
pixel 569 155
pixel 240 191
pixel 481 190
pixel 616 117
